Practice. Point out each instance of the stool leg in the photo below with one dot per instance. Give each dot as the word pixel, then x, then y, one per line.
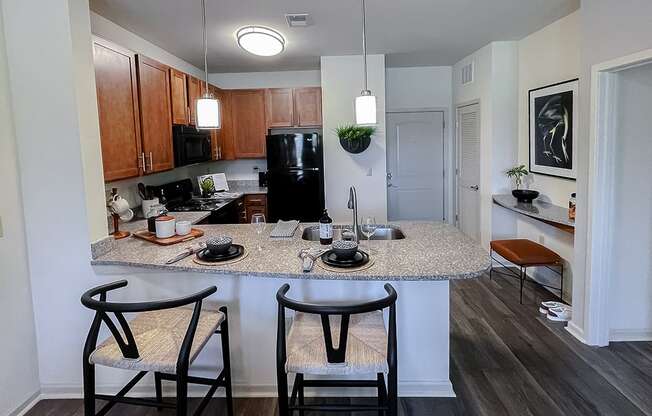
pixel 182 393
pixel 382 393
pixel 282 394
pixel 159 388
pixel 299 379
pixel 561 289
pixel 226 360
pixel 522 280
pixel 491 268
pixel 89 388
pixel 392 393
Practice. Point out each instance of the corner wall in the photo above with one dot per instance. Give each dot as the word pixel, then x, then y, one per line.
pixel 548 56
pixel 342 81
pixel 19 383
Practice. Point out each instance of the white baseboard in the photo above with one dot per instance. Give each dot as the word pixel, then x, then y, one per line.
pixel 405 389
pixel 27 405
pixel 617 335
pixel 576 331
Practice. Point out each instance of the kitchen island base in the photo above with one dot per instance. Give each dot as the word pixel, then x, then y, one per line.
pixel 422 325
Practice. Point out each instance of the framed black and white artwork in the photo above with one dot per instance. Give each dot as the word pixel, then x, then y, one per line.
pixel 553 129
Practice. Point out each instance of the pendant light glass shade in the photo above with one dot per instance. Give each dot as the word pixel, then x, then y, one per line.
pixel 365 108
pixel 208 113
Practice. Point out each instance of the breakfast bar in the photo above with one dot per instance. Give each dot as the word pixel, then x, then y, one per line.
pixel 419 266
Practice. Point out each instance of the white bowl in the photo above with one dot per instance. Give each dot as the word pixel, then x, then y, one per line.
pixel 183 227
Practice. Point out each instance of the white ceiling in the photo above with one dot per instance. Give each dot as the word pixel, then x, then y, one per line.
pixel 409 32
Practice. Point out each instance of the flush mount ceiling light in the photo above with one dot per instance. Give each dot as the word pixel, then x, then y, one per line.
pixel 208 108
pixel 260 41
pixel 365 104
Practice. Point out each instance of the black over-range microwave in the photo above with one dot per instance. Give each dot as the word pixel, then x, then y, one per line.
pixel 191 145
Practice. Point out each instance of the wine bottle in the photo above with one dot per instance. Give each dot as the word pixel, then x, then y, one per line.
pixel 325 229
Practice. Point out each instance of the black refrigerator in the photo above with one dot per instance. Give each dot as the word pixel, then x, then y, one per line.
pixel 295 177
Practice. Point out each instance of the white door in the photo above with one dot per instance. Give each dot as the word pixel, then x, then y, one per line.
pixel 468 179
pixel 415 166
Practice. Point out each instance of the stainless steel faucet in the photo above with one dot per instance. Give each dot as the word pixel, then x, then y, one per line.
pixel 353 205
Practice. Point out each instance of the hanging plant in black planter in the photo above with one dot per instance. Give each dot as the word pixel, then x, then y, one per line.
pixel 355 139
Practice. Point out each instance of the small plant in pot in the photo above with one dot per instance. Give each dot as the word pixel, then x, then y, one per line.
pixel 355 139
pixel 522 195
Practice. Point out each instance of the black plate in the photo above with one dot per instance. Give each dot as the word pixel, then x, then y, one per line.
pixel 234 251
pixel 360 259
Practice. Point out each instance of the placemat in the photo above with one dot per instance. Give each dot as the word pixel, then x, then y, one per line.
pixel 221 263
pixel 346 270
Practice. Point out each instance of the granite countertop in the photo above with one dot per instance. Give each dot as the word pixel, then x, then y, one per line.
pixel 430 251
pixel 247 187
pixel 540 210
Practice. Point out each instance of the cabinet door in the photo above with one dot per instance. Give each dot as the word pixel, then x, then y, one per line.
pixel 117 103
pixel 248 115
pixel 179 96
pixel 194 93
pixel 225 134
pixel 279 107
pixel 307 106
pixel 155 114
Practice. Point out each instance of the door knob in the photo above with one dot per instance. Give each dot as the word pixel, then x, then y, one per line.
pixel 474 187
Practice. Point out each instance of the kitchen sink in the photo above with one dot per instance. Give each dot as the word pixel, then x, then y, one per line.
pixel 383 232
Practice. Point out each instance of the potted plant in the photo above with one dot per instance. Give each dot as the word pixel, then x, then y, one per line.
pixel 355 139
pixel 522 195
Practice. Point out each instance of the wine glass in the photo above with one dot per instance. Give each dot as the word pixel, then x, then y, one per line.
pixel 368 228
pixel 258 221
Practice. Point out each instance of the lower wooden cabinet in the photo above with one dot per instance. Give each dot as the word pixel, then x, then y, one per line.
pixel 255 204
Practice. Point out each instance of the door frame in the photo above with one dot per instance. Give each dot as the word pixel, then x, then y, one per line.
pixel 601 181
pixel 448 155
pixel 458 161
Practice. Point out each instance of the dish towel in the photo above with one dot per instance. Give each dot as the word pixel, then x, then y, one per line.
pixel 284 229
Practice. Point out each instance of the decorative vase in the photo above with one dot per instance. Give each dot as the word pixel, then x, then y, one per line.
pixel 525 195
pixel 356 145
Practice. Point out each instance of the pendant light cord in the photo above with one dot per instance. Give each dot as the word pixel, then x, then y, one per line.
pixel 364 42
pixel 203 20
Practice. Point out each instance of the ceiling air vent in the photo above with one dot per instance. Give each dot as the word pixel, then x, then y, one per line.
pixel 467 73
pixel 297 19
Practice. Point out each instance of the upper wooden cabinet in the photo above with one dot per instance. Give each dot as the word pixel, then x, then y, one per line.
pixel 179 97
pixel 307 107
pixel 249 127
pixel 279 107
pixel 293 107
pixel 195 90
pixel 155 114
pixel 223 147
pixel 117 103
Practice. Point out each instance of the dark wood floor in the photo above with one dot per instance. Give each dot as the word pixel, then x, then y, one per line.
pixel 506 359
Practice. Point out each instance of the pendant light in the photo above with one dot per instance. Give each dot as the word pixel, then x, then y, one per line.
pixel 208 107
pixel 365 104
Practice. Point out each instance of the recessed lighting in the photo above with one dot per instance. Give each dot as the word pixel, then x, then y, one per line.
pixel 260 40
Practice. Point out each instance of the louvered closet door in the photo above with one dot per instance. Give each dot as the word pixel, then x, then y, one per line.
pixel 468 134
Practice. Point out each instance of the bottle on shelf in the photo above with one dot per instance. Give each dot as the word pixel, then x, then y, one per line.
pixel 325 229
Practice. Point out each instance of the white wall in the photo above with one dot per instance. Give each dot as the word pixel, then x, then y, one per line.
pixel 342 80
pixel 48 140
pixel 495 88
pixel 18 353
pixel 631 274
pixel 608 30
pixel 276 79
pixel 548 56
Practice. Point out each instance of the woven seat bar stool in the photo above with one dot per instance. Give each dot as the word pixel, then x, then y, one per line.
pixel 164 337
pixel 526 253
pixel 364 347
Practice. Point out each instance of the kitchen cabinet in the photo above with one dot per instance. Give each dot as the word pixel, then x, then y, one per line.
pixel 223 138
pixel 279 107
pixel 196 89
pixel 255 204
pixel 179 97
pixel 118 110
pixel 155 114
pixel 249 127
pixel 307 107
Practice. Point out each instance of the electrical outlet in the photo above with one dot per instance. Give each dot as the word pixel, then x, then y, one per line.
pixel 370 172
pixel 2 233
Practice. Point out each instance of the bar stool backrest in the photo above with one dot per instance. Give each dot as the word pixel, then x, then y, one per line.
pixel 127 344
pixel 336 355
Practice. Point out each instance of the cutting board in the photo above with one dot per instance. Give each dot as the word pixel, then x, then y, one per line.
pixel 151 237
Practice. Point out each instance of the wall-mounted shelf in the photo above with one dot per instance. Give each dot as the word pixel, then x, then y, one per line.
pixel 543 211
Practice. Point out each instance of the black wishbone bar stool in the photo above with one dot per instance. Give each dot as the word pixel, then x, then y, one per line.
pixel 363 347
pixel 164 337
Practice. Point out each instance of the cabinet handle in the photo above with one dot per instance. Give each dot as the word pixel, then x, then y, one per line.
pixel 219 152
pixel 141 162
pixel 151 163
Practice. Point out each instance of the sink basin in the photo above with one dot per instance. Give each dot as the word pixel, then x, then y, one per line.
pixel 383 232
